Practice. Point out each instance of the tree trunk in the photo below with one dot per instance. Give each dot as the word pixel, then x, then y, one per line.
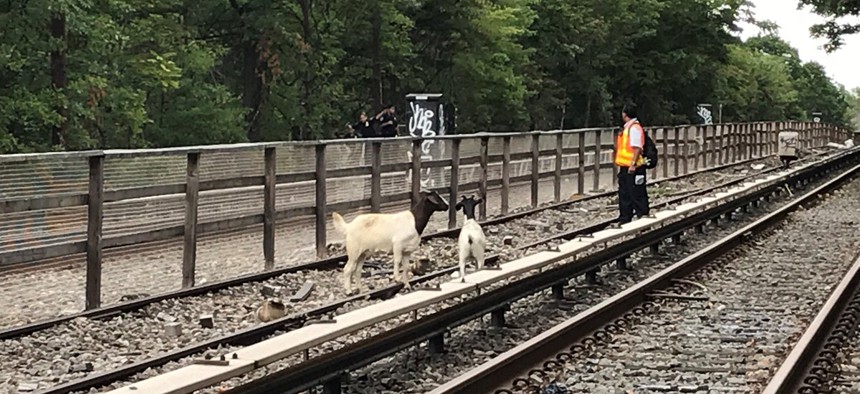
pixel 252 97
pixel 307 89
pixel 588 112
pixel 58 77
pixel 376 42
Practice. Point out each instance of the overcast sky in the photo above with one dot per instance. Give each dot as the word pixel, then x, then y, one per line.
pixel 794 25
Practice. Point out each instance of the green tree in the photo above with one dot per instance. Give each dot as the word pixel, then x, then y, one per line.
pixel 834 29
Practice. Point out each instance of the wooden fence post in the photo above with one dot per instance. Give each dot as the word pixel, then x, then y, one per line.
pixel 677 151
pixel 320 208
pixel 376 177
pixel 559 156
pixel 482 186
pixel 686 150
pixel 455 183
pixel 596 174
pixel 95 217
pixel 535 168
pixel 665 153
pixel 653 132
pixel 192 195
pixel 269 193
pixel 506 174
pixel 580 173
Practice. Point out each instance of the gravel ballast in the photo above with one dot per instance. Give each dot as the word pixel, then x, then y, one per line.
pixel 75 349
pixel 416 370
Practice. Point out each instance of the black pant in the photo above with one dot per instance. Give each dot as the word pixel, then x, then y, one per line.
pixel 632 198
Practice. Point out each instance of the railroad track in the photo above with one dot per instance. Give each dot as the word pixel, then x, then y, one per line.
pixel 123 357
pixel 720 320
pixel 826 358
pixel 507 285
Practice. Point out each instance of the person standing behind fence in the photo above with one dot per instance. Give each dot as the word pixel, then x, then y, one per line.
pixel 629 144
pixel 388 122
pixel 363 128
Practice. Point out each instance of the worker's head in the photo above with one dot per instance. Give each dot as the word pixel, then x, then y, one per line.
pixel 628 112
pixel 363 116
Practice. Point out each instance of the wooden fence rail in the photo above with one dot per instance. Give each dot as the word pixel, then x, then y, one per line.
pixel 681 148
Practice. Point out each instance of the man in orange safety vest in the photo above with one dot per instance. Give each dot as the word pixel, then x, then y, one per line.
pixel 629 143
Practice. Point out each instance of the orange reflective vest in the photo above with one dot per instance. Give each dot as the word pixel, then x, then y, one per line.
pixel 623 150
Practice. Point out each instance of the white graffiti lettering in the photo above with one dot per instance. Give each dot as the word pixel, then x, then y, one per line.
pixel 421 125
pixel 705 113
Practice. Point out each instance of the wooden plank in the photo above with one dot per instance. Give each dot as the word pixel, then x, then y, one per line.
pixel 349 172
pixel 189 247
pixel 144 192
pixel 184 150
pixel 416 171
pixel 321 201
pixel 665 153
pixel 482 186
pixel 677 153
pixel 455 184
pixel 375 176
pixel 188 379
pixel 95 218
pixel 580 173
pixel 653 134
pixel 519 266
pixel 595 186
pixel 50 202
pixel 296 177
pixel 298 340
pixel 735 142
pixel 535 168
pixel 559 152
pixel 270 165
pixel 506 174
pixel 33 157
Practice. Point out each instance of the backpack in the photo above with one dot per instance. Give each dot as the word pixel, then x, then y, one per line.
pixel 649 151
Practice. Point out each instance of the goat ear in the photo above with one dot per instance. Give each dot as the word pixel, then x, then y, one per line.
pixel 479 200
pixel 458 207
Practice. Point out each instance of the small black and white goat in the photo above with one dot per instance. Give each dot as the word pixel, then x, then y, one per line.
pixel 398 233
pixel 472 242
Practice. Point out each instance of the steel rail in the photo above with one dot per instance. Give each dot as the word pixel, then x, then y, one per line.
pixel 808 366
pixel 326 369
pixel 257 333
pixel 330 263
pixel 517 362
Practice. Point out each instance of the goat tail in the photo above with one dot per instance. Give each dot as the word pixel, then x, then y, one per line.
pixel 339 223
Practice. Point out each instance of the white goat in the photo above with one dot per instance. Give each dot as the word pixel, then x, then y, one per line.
pixel 472 242
pixel 398 232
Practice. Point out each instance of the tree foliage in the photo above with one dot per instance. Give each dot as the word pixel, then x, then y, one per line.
pixel 836 26
pixel 152 73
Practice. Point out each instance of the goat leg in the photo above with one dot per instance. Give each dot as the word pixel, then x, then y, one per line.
pixel 356 273
pixel 398 256
pixel 405 265
pixel 462 267
pixel 479 257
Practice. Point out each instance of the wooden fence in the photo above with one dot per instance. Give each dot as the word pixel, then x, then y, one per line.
pixel 80 185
